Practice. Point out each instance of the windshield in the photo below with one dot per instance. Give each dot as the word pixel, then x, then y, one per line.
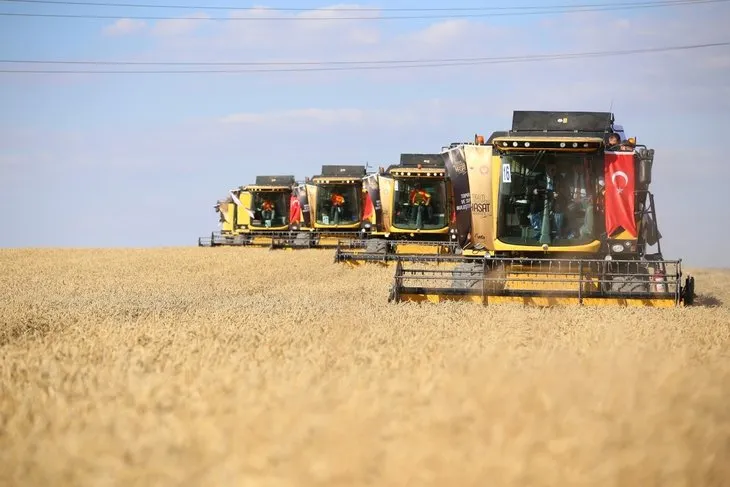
pixel 270 209
pixel 555 191
pixel 420 204
pixel 338 204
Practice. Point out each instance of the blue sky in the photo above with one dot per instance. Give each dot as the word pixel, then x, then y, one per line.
pixel 140 159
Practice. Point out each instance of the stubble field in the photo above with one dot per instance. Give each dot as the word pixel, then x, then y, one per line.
pixel 249 367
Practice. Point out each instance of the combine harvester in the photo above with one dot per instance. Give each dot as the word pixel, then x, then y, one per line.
pixel 411 214
pixel 277 213
pixel 326 209
pixel 561 213
pixel 254 215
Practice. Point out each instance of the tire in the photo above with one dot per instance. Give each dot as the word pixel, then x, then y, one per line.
pixel 689 291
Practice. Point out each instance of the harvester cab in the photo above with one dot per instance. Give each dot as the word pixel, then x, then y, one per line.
pixel 260 210
pixel 331 205
pixel 417 196
pixel 412 213
pixel 335 198
pixel 561 213
pixel 266 203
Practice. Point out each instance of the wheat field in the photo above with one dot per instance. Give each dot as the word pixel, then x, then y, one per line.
pixel 193 366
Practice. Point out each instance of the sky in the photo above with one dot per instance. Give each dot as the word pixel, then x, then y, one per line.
pixel 139 160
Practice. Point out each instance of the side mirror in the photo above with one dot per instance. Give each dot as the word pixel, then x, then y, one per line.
pixel 646 160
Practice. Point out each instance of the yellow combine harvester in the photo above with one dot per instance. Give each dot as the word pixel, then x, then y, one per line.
pixel 277 212
pixel 560 213
pixel 254 214
pixel 329 208
pixel 409 213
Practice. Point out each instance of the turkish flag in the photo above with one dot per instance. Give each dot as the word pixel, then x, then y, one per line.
pixel 619 198
pixel 295 211
pixel 368 211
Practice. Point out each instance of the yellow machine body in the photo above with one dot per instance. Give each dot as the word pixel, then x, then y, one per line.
pixel 511 254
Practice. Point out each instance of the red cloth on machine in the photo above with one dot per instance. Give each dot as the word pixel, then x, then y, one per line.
pixel 295 211
pixel 620 197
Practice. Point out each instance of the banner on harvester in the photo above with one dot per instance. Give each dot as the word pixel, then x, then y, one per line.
pixel 456 167
pixel 373 207
pixel 295 209
pixel 301 194
pixel 387 192
pixel 619 199
pixel 479 168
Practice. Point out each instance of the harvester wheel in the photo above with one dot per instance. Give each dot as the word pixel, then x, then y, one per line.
pixel 466 270
pixel 689 291
pixel 377 246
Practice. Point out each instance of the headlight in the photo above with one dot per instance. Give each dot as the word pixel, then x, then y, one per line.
pixel 617 248
pixel 294 227
pixel 367 226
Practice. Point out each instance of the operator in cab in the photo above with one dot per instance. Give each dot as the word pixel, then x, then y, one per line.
pixel 419 198
pixel 267 210
pixel 338 202
pixel 550 188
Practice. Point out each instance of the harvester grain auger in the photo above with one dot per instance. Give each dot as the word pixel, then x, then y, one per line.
pixel 228 233
pixel 561 213
pixel 410 215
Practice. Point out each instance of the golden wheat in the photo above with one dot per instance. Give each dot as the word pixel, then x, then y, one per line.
pixel 248 367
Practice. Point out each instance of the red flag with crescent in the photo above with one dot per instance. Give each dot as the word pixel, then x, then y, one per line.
pixel 295 210
pixel 619 198
pixel 368 212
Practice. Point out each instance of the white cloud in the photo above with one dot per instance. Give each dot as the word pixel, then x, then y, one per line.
pixel 440 33
pixel 180 27
pixel 125 27
pixel 344 119
pixel 303 116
